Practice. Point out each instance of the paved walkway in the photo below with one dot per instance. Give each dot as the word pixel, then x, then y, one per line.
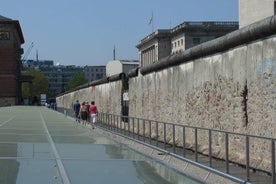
pixel 38 145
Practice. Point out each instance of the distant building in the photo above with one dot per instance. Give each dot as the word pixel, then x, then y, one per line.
pixel 190 34
pixel 93 73
pixel 251 11
pixel 118 66
pixel 37 64
pixel 165 42
pixel 154 47
pixel 58 75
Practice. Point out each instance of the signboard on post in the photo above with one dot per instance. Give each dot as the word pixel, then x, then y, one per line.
pixel 125 96
pixel 43 99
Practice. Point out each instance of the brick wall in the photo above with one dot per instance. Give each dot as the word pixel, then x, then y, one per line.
pixel 8 85
pixel 10 56
pixel 7 61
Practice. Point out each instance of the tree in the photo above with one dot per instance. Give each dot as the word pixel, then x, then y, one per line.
pixel 40 84
pixel 76 80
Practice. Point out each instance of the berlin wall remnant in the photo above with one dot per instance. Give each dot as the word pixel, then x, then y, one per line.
pixel 227 84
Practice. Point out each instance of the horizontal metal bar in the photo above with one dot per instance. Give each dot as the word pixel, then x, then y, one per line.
pixel 207 129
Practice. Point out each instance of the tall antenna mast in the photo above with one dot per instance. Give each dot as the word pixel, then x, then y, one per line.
pixel 151 22
pixel 114 56
pixel 36 55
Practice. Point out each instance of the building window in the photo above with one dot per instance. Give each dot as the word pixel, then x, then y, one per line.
pixel 4 35
pixel 182 42
pixel 274 7
pixel 196 41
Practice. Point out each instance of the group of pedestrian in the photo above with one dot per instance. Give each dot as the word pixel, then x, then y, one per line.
pixel 85 113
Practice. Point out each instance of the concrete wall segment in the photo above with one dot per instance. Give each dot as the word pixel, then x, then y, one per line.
pixel 133 72
pixel 106 96
pixel 211 92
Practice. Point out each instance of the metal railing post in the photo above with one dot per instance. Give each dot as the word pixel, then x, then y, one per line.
pixel 144 131
pixel 129 127
pixel 156 133
pixel 150 132
pixel 210 148
pixel 133 133
pixel 184 140
pixel 119 127
pixel 111 121
pixel 173 138
pixel 196 149
pixel 138 131
pixel 117 123
pixel 227 152
pixel 164 132
pixel 247 159
pixel 107 121
pixel 273 161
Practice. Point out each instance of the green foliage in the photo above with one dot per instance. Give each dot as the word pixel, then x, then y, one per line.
pixel 40 84
pixel 76 80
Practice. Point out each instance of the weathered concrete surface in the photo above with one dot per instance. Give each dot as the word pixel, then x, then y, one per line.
pixel 233 91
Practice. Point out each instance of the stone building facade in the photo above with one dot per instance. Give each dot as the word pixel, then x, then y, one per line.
pixel 93 73
pixel 166 42
pixel 251 11
pixel 154 47
pixel 11 38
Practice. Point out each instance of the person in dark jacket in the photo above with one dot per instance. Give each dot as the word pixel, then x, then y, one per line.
pixel 76 108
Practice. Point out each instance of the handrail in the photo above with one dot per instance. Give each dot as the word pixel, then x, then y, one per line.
pixel 143 130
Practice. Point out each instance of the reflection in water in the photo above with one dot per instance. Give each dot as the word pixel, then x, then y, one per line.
pixel 149 172
pixel 8 167
pixel 8 171
pixel 114 151
pixel 152 172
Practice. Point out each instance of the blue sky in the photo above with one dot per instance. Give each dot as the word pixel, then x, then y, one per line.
pixel 84 32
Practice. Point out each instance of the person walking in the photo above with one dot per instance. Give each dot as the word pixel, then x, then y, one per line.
pixel 93 114
pixel 76 108
pixel 83 113
pixel 88 114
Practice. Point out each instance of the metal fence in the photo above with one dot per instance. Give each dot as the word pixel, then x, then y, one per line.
pixel 198 145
